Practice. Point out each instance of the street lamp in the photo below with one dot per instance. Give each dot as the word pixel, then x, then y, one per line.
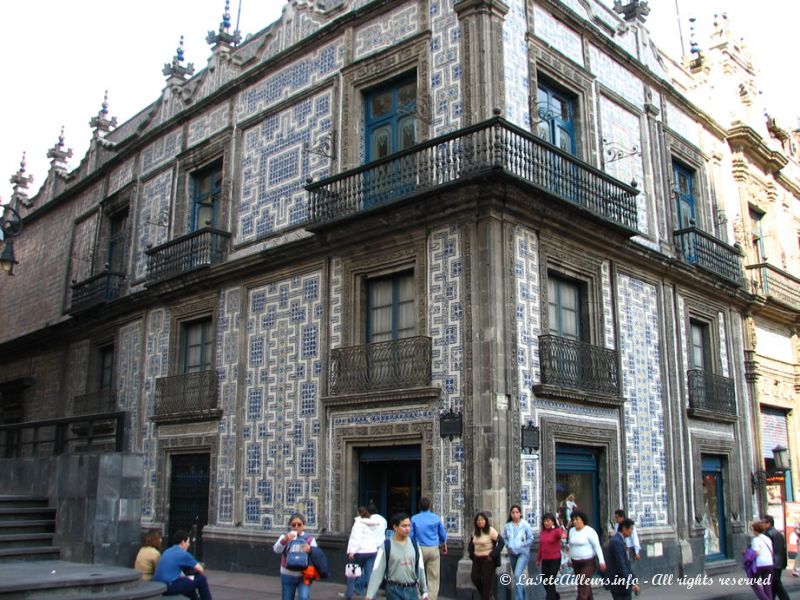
pixel 781 458
pixel 10 226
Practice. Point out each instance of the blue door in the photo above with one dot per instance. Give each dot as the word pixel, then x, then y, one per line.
pixel 389 477
pixel 684 195
pixel 390 127
pixel 714 534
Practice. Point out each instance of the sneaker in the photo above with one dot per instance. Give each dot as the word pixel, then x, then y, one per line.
pixel 341 595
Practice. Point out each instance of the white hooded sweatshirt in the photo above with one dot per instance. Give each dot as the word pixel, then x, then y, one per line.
pixel 366 535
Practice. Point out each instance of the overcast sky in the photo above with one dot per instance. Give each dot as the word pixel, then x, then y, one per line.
pixel 59 58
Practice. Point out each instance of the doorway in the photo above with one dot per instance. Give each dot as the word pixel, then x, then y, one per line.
pixel 188 497
pixel 714 530
pixel 389 477
pixel 577 483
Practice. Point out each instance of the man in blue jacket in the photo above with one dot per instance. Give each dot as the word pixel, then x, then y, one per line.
pixel 170 570
pixel 621 582
pixel 427 530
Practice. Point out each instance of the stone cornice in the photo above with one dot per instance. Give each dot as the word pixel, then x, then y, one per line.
pixel 389 397
pixel 746 139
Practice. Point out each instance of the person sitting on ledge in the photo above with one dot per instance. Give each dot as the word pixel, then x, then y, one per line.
pixel 170 570
pixel 149 554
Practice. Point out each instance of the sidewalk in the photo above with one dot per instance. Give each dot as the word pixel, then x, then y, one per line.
pixel 243 586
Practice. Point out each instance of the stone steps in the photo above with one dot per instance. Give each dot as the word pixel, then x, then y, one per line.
pixel 61 580
pixel 27 527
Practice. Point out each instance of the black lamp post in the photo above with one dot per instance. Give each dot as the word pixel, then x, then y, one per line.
pixel 758 479
pixel 10 226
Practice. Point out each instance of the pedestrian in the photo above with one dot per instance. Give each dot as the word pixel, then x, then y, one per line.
pixel 548 557
pixel 428 531
pixel 584 548
pixel 762 546
pixel 631 541
pixel 384 527
pixel 149 554
pixel 779 558
pixel 170 570
pixel 291 546
pixel 619 577
pixel 484 549
pixel 518 537
pixel 399 562
pixel 362 547
pixel 567 506
pixel 796 566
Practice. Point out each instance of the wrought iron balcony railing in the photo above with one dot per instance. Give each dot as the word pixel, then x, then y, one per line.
pixel 711 393
pixel 201 248
pixel 470 152
pixel 187 397
pixel 97 289
pixel 579 366
pixel 707 252
pixel 52 437
pixel 775 284
pixel 102 401
pixel 392 365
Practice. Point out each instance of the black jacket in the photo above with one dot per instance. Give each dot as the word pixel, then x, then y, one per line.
pixel 779 559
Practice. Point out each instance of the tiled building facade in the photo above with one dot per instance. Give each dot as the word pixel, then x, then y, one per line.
pixel 285 327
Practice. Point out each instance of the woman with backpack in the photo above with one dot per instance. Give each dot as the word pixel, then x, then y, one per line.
pixel 484 549
pixel 295 550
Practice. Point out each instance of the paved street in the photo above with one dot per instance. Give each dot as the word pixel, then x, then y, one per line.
pixel 240 586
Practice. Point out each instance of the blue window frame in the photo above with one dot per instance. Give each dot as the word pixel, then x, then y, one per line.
pixel 555 118
pixel 196 346
pixel 206 191
pixel 564 308
pixel 390 307
pixel 685 194
pixel 713 521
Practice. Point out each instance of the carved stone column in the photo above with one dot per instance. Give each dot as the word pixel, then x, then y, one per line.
pixel 482 57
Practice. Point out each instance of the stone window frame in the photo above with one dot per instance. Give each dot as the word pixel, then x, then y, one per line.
pixel 115 204
pixel 605 436
pixel 216 149
pixel 682 152
pixel 699 310
pixel 702 442
pixel 410 56
pixel 357 271
pixel 181 314
pixel 566 77
pixel 575 264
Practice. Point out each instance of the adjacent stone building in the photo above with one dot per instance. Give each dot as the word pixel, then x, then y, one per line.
pixel 485 251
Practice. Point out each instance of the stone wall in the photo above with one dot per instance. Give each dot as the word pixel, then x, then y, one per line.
pixel 97 498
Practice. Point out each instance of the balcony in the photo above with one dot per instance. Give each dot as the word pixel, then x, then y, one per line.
pixel 195 250
pixel 711 396
pixel 776 285
pixel 98 289
pixel 187 397
pixel 53 437
pixel 103 401
pixel 493 146
pixel 571 365
pixel 710 254
pixel 392 365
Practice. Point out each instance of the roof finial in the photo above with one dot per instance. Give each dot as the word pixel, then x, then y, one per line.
pixel 101 123
pixel 20 180
pixel 224 37
pixel 57 155
pixel 175 71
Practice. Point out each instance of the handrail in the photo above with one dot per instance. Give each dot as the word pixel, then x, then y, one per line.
pixel 53 437
pixel 577 365
pixel 710 253
pixel 776 283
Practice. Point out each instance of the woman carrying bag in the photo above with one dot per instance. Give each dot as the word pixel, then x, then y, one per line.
pixel 484 548
pixel 584 548
pixel 294 566
pixel 361 551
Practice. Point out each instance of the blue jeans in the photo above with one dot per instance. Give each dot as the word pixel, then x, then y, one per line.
pixel 397 592
pixel 290 584
pixel 191 588
pixel 519 564
pixel 359 585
